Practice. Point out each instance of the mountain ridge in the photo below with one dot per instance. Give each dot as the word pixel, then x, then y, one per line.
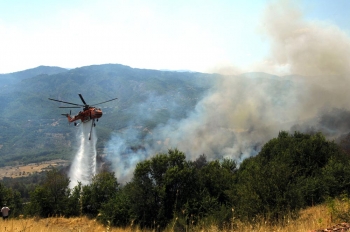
pixel 32 128
pixel 28 73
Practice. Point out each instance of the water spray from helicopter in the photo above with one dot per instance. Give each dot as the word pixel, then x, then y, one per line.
pixel 84 164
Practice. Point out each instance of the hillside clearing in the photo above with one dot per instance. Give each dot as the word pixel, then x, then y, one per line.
pixel 28 169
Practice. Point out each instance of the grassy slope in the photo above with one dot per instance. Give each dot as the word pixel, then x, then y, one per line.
pixel 310 219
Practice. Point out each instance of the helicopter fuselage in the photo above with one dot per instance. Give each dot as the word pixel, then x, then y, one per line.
pixel 86 115
pixel 89 112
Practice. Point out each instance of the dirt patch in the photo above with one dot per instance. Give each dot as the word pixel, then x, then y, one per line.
pixel 26 170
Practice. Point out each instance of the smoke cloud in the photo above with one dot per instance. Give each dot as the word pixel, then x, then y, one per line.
pixel 242 112
pixel 304 48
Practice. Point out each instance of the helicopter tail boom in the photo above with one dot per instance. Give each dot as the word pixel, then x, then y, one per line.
pixel 70 119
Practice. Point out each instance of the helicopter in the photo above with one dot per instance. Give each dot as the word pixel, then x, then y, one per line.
pixel 89 112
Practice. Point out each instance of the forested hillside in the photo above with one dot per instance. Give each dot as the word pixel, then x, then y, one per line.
pixel 33 129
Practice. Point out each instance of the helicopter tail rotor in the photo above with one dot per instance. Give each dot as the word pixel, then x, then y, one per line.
pixel 70 113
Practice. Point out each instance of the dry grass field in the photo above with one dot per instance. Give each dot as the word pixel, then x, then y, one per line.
pixel 311 219
pixel 26 170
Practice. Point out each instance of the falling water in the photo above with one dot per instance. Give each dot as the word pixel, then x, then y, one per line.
pixel 84 164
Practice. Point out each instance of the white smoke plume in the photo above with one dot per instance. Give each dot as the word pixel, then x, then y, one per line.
pixel 305 48
pixel 242 112
pixel 83 167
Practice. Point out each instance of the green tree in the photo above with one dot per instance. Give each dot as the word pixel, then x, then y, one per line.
pixel 336 176
pixel 103 187
pixel 217 178
pixel 160 188
pixel 74 203
pixel 116 211
pixel 51 197
pixel 12 199
pixel 287 174
pixel 143 195
pixel 210 195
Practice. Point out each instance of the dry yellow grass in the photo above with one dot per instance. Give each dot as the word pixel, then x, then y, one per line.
pixel 310 219
pixel 55 224
pixel 313 218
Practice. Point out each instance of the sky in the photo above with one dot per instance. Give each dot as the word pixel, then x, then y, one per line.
pixel 204 36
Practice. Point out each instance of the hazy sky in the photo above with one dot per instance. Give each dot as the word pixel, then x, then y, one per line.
pixel 155 34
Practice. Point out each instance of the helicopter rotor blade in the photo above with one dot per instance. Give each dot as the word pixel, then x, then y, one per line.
pixel 82 99
pixel 65 102
pixel 69 107
pixel 105 101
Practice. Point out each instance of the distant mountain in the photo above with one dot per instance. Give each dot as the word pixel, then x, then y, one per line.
pixel 15 77
pixel 33 129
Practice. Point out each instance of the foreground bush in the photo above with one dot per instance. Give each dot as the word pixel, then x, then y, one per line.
pixel 290 173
